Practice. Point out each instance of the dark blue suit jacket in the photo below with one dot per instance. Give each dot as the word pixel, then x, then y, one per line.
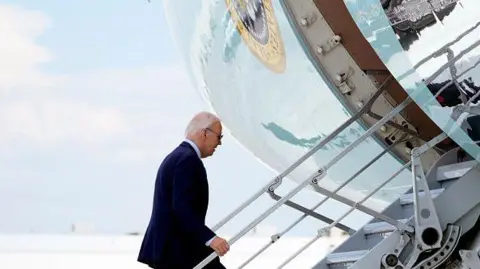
pixel 176 235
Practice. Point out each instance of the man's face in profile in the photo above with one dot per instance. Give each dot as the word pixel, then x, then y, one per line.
pixel 212 138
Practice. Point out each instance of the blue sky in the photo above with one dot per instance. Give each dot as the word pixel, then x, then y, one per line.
pixel 109 34
pixel 92 97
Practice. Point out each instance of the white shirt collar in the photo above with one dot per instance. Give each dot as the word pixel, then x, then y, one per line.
pixel 194 146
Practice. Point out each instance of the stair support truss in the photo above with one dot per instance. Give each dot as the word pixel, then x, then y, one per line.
pixel 428 233
pixel 400 249
pixel 405 248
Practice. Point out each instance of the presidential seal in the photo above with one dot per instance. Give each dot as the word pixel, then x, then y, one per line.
pixel 256 22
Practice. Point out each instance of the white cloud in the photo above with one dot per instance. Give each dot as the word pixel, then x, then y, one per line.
pixel 19 53
pixel 156 103
pixel 32 113
pixel 50 121
pixel 128 115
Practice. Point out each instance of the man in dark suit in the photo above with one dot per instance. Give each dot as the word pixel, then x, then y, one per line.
pixel 177 237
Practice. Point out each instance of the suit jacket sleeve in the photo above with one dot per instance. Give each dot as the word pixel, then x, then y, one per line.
pixel 183 192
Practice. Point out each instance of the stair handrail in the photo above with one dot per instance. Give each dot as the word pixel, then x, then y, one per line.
pixel 276 237
pixel 278 179
pixel 439 52
pixel 314 178
pixel 357 205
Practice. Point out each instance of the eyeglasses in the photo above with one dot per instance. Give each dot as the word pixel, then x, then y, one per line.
pixel 219 136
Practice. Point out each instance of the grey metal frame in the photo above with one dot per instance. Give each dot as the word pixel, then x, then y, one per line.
pixel 451 213
pixel 354 205
pixel 425 201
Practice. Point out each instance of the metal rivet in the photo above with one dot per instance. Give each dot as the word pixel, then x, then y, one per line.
pixel 319 49
pixel 304 22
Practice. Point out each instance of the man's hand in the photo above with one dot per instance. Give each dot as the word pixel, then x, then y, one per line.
pixel 220 246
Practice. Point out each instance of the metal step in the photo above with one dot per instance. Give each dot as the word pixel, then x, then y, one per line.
pixel 454 171
pixel 377 230
pixel 336 260
pixel 407 199
pixel 380 227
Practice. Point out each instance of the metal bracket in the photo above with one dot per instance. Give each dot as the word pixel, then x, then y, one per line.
pixel 391 260
pixel 329 44
pixel 449 245
pixel 428 232
pixel 470 259
pixel 308 19
pixel 343 79
pixel 277 182
pixel 395 125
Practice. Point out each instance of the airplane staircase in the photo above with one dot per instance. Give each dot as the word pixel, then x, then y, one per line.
pixel 441 207
pixel 450 195
pixel 433 225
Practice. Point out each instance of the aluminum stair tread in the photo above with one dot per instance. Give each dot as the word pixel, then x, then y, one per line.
pixel 344 257
pixel 408 198
pixel 380 227
pixel 455 170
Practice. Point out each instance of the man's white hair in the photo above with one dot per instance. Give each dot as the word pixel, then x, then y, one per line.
pixel 201 121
